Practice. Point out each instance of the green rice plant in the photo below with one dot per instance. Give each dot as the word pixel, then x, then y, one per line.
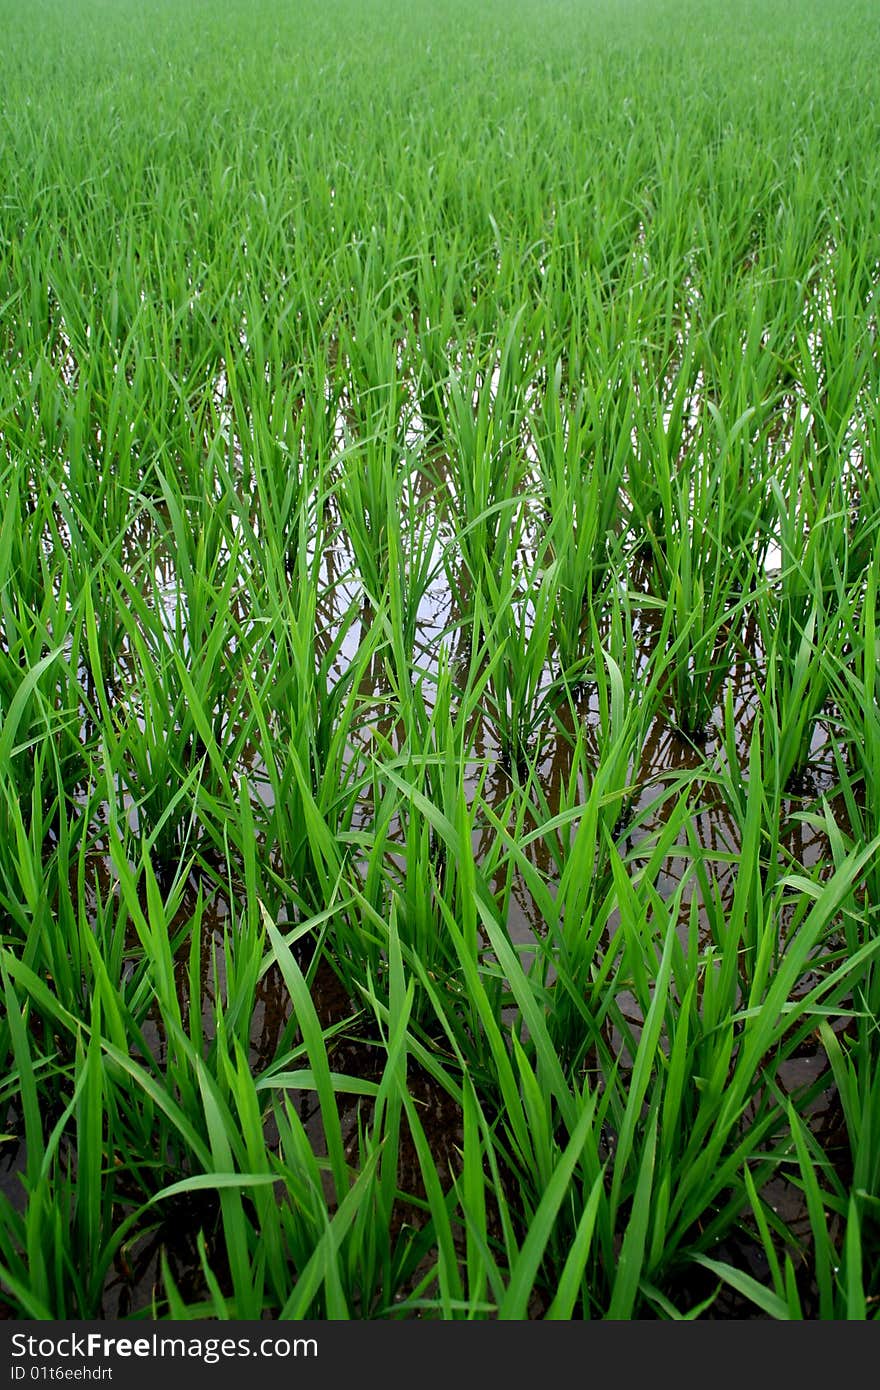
pixel 438 309
pixel 369 496
pixel 772 1009
pixel 75 1207
pixel 744 370
pixel 582 445
pixel 595 815
pixel 51 1256
pixel 854 1068
pixel 513 618
pixel 662 427
pixel 285 447
pixel 836 367
pixel 841 1288
pixel 418 861
pixel 852 680
pixel 352 1254
pixel 485 464
pixel 566 1216
pixel 41 655
pixel 864 499
pixel 525 1133
pixel 205 1110
pixel 394 534
pixel 178 718
pixel 415 565
pixel 799 619
pixel 522 1140
pixel 307 717
pixel 701 571
pixel 43 911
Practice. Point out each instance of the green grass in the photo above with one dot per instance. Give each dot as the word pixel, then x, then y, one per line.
pixel 438 618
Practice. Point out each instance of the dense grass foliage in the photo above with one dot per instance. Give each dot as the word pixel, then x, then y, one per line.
pixel 439 725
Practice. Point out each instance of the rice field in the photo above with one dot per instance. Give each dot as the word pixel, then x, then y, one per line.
pixel 439 659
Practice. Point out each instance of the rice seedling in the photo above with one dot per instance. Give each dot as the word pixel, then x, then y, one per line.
pixel 584 506
pixel 487 403
pixel 799 618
